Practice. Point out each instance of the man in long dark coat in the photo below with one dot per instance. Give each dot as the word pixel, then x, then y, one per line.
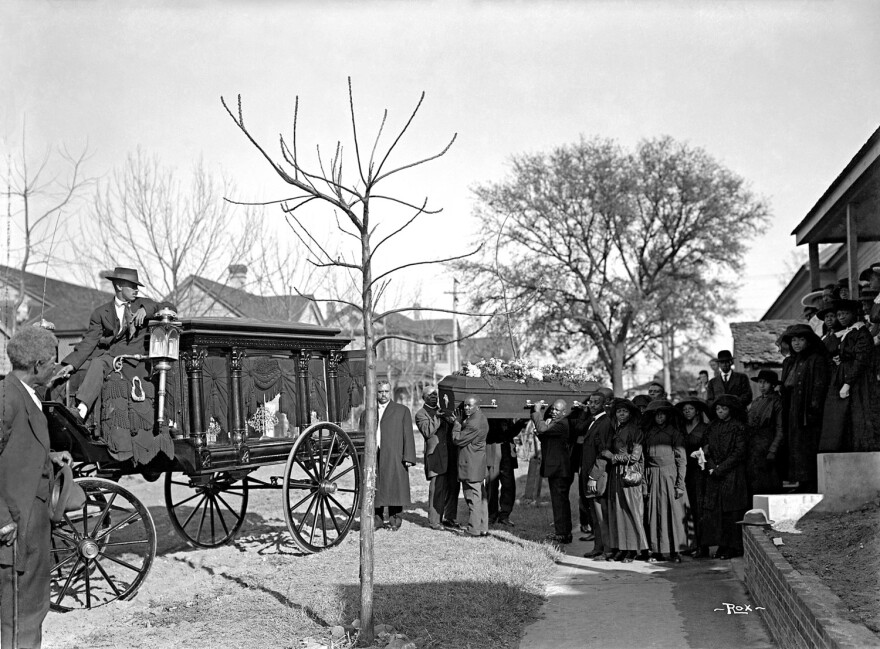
pixel 555 435
pixel 115 328
pixel 396 453
pixel 729 381
pixel 594 469
pixel 25 484
pixel 472 469
pixel 441 469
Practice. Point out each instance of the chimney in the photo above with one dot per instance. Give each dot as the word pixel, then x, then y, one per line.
pixel 237 275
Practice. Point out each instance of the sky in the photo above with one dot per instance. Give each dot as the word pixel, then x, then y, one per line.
pixel 782 93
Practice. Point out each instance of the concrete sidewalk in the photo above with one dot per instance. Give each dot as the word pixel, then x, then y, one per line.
pixel 611 605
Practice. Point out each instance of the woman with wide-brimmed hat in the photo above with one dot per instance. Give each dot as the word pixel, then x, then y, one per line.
pixel 765 436
pixel 804 388
pixel 851 414
pixel 726 496
pixel 695 415
pixel 665 466
pixel 625 503
pixel 831 326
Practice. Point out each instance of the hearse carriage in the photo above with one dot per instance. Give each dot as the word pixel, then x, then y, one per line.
pixel 210 401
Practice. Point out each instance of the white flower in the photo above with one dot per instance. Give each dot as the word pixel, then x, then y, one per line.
pixel 473 370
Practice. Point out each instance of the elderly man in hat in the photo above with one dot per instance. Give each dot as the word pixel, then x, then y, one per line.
pixel 437 426
pixel 25 485
pixel 555 433
pixel 115 328
pixel 728 381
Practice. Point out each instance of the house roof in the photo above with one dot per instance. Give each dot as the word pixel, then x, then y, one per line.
pixel 68 306
pixel 398 323
pixel 249 305
pixel 755 342
pixel 856 185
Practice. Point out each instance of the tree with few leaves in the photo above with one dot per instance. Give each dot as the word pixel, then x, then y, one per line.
pixel 357 202
pixel 614 251
pixel 40 195
pixel 168 224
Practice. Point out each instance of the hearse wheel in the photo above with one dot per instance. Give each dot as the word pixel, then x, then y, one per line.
pixel 207 510
pixel 321 487
pixel 102 552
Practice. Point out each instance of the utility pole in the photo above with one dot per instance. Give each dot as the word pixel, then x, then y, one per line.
pixel 456 352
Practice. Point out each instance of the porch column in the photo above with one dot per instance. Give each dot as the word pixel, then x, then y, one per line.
pixel 852 251
pixel 815 278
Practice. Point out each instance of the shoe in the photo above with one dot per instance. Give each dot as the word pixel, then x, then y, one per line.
pixel 586 529
pixel 588 537
pixel 448 523
pixel 722 554
pixel 506 522
pixel 437 527
pixel 700 553
pixel 594 554
pixel 560 539
pixel 675 558
pixel 630 557
pixel 396 522
pixel 386 523
pixel 473 535
pixel 617 555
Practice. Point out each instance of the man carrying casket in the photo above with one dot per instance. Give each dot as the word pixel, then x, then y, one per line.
pixel 555 434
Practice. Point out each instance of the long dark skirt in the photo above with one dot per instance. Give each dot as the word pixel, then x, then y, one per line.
pixel 761 474
pixel 664 515
pixel 625 514
pixel 693 508
pixel 718 526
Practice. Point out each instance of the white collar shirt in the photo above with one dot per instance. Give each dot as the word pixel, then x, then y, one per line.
pixel 33 395
pixel 382 407
pixel 726 377
pixel 120 311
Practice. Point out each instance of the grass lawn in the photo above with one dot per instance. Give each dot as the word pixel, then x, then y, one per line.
pixel 440 589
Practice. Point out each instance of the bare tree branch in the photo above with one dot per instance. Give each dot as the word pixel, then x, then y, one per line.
pixel 432 261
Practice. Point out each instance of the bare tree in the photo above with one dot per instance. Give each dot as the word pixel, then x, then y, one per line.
pixel 147 215
pixel 615 251
pixel 38 193
pixel 353 203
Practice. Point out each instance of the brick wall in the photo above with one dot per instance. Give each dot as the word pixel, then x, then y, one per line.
pixel 801 611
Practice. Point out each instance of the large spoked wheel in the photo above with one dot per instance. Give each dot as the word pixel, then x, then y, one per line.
pixel 207 510
pixel 321 487
pixel 102 552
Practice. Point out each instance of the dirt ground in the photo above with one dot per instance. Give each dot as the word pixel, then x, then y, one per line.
pixel 843 550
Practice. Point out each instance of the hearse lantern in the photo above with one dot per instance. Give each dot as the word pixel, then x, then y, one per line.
pixel 164 348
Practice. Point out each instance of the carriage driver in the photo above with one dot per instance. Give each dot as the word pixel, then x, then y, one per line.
pixel 115 328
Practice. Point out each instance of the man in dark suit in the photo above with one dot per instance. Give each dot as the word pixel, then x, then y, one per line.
pixel 501 483
pixel 555 434
pixel 437 426
pixel 472 469
pixel 396 453
pixel 118 327
pixel 25 485
pixel 594 472
pixel 728 381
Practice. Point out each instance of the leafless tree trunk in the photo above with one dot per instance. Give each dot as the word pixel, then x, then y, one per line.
pixel 354 202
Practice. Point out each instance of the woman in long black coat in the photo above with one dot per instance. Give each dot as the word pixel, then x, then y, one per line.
pixel 695 413
pixel 726 497
pixel 851 408
pixel 765 433
pixel 804 388
pixel 626 506
pixel 665 463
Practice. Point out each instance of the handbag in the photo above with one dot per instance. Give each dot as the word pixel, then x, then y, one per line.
pixel 632 477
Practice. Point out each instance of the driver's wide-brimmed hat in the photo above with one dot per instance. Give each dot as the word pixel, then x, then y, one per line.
pixel 124 274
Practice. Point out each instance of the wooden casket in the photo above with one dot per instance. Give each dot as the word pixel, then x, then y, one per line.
pixel 508 399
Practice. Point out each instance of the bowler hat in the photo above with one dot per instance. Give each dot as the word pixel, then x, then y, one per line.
pixel 767 375
pixel 67 496
pixel 755 517
pixel 724 355
pixel 124 274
